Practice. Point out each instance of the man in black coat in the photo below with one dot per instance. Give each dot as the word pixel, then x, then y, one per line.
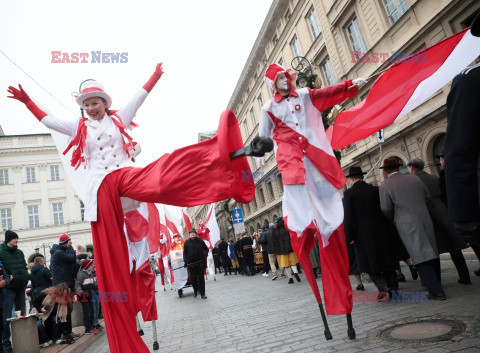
pixel 195 253
pixel 239 255
pixel 247 251
pixel 370 232
pixel 40 276
pixel 461 149
pixel 223 249
pixel 63 262
pixel 447 239
pixel 263 240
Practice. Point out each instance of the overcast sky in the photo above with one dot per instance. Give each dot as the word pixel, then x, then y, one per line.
pixel 203 44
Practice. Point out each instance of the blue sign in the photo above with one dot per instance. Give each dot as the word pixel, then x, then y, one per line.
pixel 237 215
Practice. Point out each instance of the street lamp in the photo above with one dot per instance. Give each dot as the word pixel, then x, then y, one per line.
pixel 305 76
pixel 37 250
pixel 43 246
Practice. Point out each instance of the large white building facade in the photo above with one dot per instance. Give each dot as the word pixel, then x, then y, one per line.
pixel 36 200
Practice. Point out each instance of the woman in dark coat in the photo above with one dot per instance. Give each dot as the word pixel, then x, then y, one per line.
pixel 283 249
pixel 370 232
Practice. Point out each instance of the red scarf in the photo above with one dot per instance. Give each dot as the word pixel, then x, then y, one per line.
pixel 80 140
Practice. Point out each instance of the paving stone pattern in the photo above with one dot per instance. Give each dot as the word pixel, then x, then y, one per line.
pixel 255 314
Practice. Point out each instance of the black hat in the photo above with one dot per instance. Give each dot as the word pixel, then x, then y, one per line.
pixel 9 235
pixel 355 171
pixel 193 230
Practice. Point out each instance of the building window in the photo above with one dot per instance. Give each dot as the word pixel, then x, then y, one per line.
pixel 280 182
pixel 57 213
pixel 270 190
pixel 33 219
pixel 254 118
pixel 247 130
pixel 3 176
pixel 356 39
pixel 6 219
pixel 260 101
pixel 288 15
pixel 253 204
pixel 275 40
pixel 295 45
pixel 82 210
pixel 31 175
pixel 313 24
pixel 280 62
pixel 54 172
pixel 328 74
pixel 246 209
pixel 395 9
pixel 261 196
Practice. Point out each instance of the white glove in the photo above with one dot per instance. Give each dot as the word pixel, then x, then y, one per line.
pixel 359 82
pixel 163 240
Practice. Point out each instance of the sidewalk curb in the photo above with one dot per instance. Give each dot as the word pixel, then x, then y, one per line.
pixel 82 343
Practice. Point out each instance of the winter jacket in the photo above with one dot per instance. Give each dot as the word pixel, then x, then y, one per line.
pixel 195 250
pixel 62 262
pixel 86 281
pixel 15 265
pixel 41 278
pixel 281 241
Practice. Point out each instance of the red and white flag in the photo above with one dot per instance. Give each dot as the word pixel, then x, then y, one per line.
pixel 212 225
pixel 407 84
pixel 138 224
pixel 187 220
pixel 172 222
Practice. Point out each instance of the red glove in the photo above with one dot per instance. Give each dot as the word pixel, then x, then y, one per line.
pixel 154 78
pixel 20 94
pixel 23 97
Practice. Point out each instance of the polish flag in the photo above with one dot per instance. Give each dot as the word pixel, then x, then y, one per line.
pixel 407 84
pixel 171 222
pixel 187 220
pixel 137 229
pixel 212 225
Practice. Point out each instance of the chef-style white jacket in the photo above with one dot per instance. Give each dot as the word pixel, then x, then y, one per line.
pixel 104 152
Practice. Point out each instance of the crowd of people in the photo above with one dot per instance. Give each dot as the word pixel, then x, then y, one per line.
pixel 272 247
pixel 51 291
pixel 404 219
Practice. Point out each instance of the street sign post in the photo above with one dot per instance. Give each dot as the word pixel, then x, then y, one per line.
pixel 238 224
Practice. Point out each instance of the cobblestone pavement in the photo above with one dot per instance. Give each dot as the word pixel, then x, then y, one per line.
pixel 255 314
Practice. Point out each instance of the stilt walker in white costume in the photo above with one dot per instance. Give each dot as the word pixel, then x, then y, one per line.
pixel 102 146
pixel 312 203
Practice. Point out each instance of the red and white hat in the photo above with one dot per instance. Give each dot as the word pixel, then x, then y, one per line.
pixel 272 73
pixel 64 239
pixel 92 88
pixel 86 263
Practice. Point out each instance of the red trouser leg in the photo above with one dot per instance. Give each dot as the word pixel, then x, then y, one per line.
pixel 337 289
pixel 113 272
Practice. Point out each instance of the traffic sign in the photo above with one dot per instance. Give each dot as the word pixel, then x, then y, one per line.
pixel 237 215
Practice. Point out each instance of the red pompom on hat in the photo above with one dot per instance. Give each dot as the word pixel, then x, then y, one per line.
pixel 86 263
pixel 64 239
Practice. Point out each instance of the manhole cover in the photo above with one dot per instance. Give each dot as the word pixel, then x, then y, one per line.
pixel 427 330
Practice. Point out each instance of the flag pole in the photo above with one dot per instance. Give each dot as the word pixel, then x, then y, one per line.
pixel 328 334
pixel 372 76
pixel 351 330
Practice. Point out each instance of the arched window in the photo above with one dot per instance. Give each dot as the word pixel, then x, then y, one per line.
pixel 251 230
pixel 258 225
pixel 438 149
pixel 265 223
